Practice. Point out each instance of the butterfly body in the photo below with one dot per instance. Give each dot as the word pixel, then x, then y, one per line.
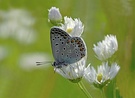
pixel 66 49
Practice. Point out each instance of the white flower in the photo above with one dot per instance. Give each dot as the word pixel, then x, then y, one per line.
pixel 106 48
pixel 73 72
pixel 73 27
pixel 54 15
pixel 103 75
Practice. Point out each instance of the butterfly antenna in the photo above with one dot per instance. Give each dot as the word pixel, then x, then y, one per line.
pixel 42 63
pixel 39 63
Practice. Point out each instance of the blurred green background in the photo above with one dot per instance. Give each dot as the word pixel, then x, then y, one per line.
pixel 24 39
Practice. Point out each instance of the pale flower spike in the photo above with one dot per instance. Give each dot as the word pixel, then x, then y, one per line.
pixel 103 75
pixel 54 16
pixel 106 48
pixel 73 26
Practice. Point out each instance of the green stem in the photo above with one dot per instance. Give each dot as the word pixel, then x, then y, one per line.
pixel 84 90
pixel 114 90
pixel 103 93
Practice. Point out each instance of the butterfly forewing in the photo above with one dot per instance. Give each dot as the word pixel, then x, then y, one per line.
pixel 58 40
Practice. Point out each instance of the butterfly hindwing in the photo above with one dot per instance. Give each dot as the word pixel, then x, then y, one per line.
pixel 73 50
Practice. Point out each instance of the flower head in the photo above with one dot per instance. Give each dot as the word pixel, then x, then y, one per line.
pixel 103 75
pixel 106 48
pixel 54 15
pixel 73 72
pixel 73 27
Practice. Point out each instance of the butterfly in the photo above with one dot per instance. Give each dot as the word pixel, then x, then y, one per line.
pixel 66 49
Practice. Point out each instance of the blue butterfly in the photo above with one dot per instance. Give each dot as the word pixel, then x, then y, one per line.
pixel 66 49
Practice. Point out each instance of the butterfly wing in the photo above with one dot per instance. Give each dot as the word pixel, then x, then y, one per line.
pixel 65 48
pixel 58 41
pixel 73 50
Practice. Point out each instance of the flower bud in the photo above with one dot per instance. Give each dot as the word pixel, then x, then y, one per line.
pixel 54 16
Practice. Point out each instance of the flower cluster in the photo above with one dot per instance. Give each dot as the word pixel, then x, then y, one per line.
pixel 108 69
pixel 103 50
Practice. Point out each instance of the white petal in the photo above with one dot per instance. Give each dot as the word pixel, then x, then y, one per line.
pixel 90 74
pixel 114 70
